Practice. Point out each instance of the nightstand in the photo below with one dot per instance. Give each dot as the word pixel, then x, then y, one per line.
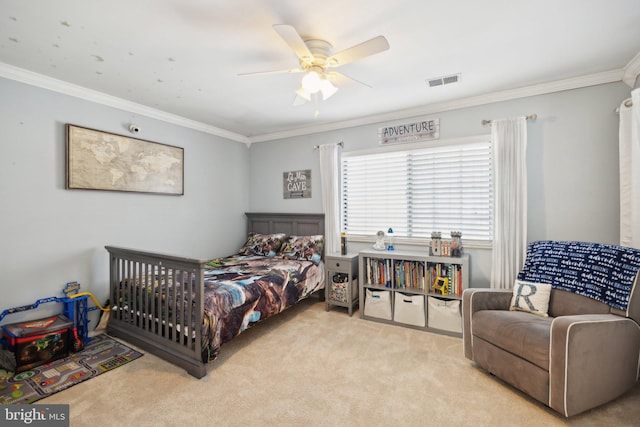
pixel 341 284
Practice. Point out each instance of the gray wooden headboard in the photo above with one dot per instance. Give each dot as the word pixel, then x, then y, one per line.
pixel 292 224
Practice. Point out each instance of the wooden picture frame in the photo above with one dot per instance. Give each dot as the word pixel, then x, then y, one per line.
pixel 296 184
pixel 99 160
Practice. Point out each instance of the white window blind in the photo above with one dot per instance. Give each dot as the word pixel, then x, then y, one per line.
pixel 419 190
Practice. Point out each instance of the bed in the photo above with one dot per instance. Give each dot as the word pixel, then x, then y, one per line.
pixel 183 310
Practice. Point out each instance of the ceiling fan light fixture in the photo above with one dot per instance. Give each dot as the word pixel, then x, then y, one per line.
pixel 311 81
pixel 304 94
pixel 327 88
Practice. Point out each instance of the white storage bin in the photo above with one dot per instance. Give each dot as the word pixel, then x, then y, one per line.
pixel 409 309
pixel 444 314
pixel 377 304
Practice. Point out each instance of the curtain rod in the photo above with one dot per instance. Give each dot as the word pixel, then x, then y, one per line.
pixel 532 117
pixel 341 144
pixel 627 103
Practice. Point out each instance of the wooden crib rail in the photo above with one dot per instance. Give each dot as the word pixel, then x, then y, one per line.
pixel 157 304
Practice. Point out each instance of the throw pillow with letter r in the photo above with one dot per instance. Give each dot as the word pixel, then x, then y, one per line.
pixel 531 297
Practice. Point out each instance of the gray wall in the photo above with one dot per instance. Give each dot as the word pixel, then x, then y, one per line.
pixel 572 160
pixel 50 236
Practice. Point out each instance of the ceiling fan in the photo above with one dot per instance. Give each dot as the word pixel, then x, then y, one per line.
pixel 316 58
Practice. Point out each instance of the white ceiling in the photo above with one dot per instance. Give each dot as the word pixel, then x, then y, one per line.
pixel 180 59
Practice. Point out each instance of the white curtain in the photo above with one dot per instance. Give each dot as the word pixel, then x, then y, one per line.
pixel 509 140
pixel 629 142
pixel 330 178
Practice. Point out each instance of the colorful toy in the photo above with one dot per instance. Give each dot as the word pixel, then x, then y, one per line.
pixel 75 308
pixel 441 284
pixel 35 342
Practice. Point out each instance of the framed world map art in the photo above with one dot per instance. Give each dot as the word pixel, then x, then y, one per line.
pixel 99 160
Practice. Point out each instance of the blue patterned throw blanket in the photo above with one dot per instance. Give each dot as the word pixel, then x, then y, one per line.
pixel 602 272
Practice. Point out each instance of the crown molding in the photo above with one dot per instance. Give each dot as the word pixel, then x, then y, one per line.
pixel 632 71
pixel 65 88
pixel 39 80
pixel 505 95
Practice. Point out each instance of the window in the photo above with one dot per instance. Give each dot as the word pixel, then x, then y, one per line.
pixel 416 190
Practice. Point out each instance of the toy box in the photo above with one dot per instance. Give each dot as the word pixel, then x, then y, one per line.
pixel 36 342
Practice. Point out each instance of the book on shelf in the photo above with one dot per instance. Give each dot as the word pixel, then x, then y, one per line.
pixel 453 273
pixel 396 273
pixel 409 275
pixel 379 271
pixel 413 275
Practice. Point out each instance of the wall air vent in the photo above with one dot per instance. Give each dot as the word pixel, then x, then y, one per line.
pixel 444 80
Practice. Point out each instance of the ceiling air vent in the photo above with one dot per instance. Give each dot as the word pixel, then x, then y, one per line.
pixel 444 80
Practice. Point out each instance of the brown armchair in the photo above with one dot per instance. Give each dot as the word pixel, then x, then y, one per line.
pixel 584 354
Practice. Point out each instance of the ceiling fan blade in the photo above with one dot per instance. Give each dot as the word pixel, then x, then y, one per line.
pixel 290 71
pixel 295 42
pixel 364 49
pixel 340 79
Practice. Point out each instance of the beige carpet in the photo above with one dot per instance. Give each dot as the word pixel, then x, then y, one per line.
pixel 309 367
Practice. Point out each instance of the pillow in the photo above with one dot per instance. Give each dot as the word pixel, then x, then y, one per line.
pixel 531 297
pixel 262 244
pixel 308 248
